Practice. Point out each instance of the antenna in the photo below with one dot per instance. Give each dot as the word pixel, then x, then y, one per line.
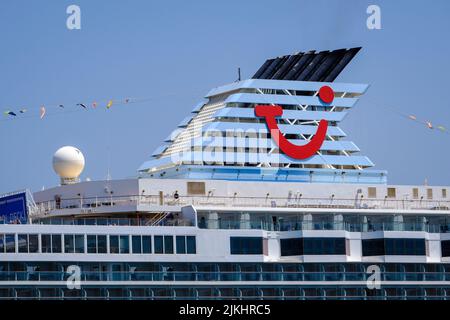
pixel 108 174
pixel 239 74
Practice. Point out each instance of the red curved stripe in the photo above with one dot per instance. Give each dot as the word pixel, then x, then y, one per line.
pixel 297 152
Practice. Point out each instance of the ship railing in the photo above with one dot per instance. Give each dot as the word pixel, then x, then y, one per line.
pixel 113 222
pixel 91 204
pixel 102 276
pixel 300 225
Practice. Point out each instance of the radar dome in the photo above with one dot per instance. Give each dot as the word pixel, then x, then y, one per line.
pixel 68 163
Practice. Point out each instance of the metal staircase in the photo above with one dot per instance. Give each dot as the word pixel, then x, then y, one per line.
pixel 157 219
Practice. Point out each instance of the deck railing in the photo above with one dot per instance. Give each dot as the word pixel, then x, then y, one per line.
pixel 221 276
pixel 89 205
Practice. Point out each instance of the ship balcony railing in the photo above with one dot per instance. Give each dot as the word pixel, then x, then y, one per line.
pixel 95 276
pixel 112 222
pixel 300 225
pixel 93 204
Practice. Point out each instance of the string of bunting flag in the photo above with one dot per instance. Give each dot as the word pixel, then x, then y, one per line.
pixel 426 123
pixel 45 110
pixel 18 113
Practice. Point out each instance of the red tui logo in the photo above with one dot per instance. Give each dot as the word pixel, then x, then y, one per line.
pixel 270 113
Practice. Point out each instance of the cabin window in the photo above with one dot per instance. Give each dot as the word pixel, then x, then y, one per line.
pixel 91 244
pixel 22 240
pixel 79 243
pixel 124 244
pixel 185 244
pixel 74 243
pixel 146 244
pixel 181 244
pixel 323 246
pixel 33 243
pixel 372 192
pixel 168 244
pixel 10 243
pixel 102 244
pixel 159 244
pixel 415 193
pixel 396 247
pixel 444 193
pixel 291 247
pixel 113 244
pixel 391 192
pixel 46 243
pixel 56 243
pixel 411 247
pixel 429 194
pixel 246 245
pixel 51 243
pixel 69 244
pixel 445 248
pixel 2 243
pixel 373 247
pixel 191 245
pixel 136 244
pixel 196 188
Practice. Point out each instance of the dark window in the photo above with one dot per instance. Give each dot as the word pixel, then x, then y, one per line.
pixel 181 244
pixel 2 243
pixel 373 247
pixel 56 243
pixel 291 247
pixel 394 247
pixel 79 243
pixel 136 244
pixel 28 243
pixel 113 244
pixel 46 243
pixel 124 244
pixel 408 247
pixel 69 246
pixel 146 244
pixel 323 246
pixel 445 248
pixel 168 244
pixel 159 244
pixel 91 244
pixel 23 243
pixel 246 245
pixel 10 243
pixel 33 243
pixel 191 245
pixel 101 244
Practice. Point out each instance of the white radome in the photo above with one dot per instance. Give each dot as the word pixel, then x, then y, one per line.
pixel 68 162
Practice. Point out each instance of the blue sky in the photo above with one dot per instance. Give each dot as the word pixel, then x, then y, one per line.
pixel 175 51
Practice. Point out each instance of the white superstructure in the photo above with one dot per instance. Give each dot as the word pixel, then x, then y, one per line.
pixel 220 211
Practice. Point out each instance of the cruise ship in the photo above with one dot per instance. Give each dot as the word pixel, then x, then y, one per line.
pixel 257 194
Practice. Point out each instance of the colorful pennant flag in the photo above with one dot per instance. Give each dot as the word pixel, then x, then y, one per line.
pixel 412 117
pixel 23 111
pixel 82 105
pixel 429 124
pixel 110 103
pixel 94 104
pixel 10 113
pixel 42 112
pixel 61 106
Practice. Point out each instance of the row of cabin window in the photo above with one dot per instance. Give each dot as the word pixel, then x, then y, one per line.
pixel 118 244
pixel 335 246
pixel 290 247
pixel 392 193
